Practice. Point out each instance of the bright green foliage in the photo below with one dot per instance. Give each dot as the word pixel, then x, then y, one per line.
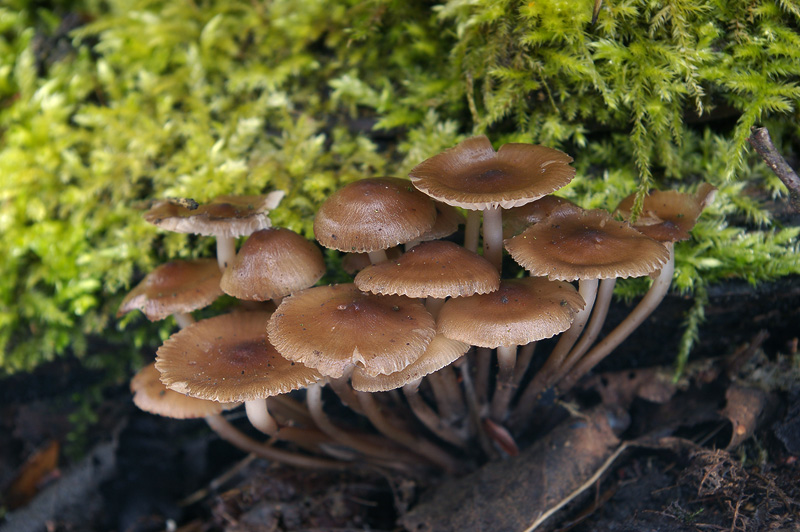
pixel 198 98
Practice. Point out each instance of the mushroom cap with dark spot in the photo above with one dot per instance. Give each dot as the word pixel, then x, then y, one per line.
pixel 334 328
pixel 224 216
pixel 587 245
pixel 668 216
pixel 229 358
pixel 473 176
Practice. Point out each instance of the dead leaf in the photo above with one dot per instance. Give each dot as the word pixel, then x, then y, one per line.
pixel 744 408
pixel 32 475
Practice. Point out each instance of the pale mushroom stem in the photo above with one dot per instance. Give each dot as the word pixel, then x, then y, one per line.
pixel 226 251
pixel 183 319
pixel 472 231
pixel 588 290
pixel 524 357
pixel 590 334
pixel 232 435
pixel 449 401
pixel 376 257
pixel 645 307
pixel 474 409
pixel 258 415
pixel 421 446
pixel 429 418
pixel 493 236
pixel 341 387
pixel 314 400
pixel 504 389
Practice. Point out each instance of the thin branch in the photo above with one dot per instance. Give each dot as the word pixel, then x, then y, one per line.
pixel 761 141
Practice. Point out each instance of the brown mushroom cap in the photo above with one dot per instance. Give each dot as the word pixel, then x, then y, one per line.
pixel 521 311
pixel 271 264
pixel 589 245
pixel 473 176
pixel 224 216
pixel 228 358
pixel 373 214
pixel 432 269
pixel 174 287
pixel 334 328
pixel 150 395
pixel 441 352
pixel 668 216
pixel 518 219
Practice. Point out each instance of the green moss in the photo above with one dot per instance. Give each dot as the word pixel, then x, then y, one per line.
pixel 208 97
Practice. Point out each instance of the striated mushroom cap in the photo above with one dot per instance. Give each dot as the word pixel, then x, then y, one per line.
pixel 174 287
pixel 373 214
pixel 668 216
pixel 335 328
pixel 432 269
pixel 150 395
pixel 273 263
pixel 473 176
pixel 224 216
pixel 441 352
pixel 588 245
pixel 521 311
pixel 229 358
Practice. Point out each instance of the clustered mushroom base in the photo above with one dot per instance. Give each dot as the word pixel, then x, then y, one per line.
pixel 406 322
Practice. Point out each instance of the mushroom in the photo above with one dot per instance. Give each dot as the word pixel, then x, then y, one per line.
pixel 584 246
pixel 150 395
pixel 473 176
pixel 175 288
pixel 667 217
pixel 372 215
pixel 521 311
pixel 228 358
pixel 225 217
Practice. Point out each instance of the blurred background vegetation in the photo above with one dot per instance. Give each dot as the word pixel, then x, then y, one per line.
pixel 108 104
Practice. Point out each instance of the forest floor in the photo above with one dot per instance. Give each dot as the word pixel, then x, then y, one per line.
pixel 718 452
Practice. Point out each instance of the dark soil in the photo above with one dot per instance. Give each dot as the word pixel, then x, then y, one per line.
pixel 143 472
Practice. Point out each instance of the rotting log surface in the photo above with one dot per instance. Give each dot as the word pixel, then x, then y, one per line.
pixel 510 495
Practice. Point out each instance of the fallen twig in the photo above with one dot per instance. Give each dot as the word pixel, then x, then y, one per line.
pixel 761 141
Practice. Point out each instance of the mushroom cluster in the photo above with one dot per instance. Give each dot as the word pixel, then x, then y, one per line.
pixel 430 321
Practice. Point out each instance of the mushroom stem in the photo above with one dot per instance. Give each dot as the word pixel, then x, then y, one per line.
pixel 232 435
pixel 474 408
pixel 524 357
pixel 314 399
pixel 504 388
pixel 226 251
pixel 428 417
pixel 258 416
pixel 183 319
pixel 601 304
pixel 472 230
pixel 588 290
pixel 417 444
pixel 493 236
pixel 640 313
pixel 376 257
